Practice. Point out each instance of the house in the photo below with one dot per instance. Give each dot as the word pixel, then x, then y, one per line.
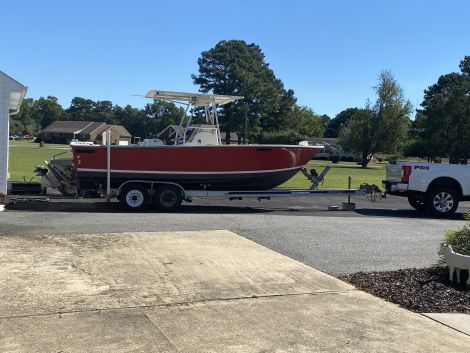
pixel 61 131
pixel 120 135
pixel 11 95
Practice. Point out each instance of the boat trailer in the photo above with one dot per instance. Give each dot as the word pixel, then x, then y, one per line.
pixel 168 196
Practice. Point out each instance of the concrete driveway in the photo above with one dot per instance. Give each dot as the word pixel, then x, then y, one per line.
pixel 210 291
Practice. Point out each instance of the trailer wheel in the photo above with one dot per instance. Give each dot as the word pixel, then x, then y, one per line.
pixel 417 202
pixel 167 198
pixel 134 197
pixel 442 201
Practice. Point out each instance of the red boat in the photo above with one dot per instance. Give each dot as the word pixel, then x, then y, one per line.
pixel 222 167
pixel 194 158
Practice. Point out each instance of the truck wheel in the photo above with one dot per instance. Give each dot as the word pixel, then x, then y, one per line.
pixel 442 201
pixel 417 202
pixel 134 197
pixel 167 198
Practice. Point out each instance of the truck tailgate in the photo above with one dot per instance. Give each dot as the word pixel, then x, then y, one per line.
pixel 393 173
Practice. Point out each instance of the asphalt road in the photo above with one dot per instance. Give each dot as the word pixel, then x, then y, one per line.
pixel 384 235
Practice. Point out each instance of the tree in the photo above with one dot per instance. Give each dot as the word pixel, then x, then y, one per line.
pixel 81 109
pixel 161 114
pixel 24 122
pixel 339 121
pixel 358 134
pixel 103 111
pixel 382 127
pixel 444 122
pixel 305 122
pixel 325 120
pixel 47 110
pixel 236 68
pixel 133 119
pixel 423 142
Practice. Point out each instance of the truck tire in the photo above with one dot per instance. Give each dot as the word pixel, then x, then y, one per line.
pixel 417 202
pixel 442 201
pixel 167 198
pixel 134 197
pixel 334 159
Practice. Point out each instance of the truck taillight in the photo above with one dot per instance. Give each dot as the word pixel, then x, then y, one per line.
pixel 406 172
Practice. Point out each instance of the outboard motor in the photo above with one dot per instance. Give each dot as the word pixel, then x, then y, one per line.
pixel 58 174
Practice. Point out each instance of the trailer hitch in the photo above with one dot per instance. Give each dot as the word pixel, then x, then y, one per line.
pixel 372 191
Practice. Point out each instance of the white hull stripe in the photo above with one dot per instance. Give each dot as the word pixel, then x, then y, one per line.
pixel 185 172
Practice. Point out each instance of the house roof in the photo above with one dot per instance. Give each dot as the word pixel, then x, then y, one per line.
pixel 11 78
pixel 15 90
pixel 71 127
pixel 93 127
pixel 83 127
pixel 121 130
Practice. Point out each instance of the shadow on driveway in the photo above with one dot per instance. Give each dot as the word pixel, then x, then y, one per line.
pixel 91 206
pixel 297 207
pixel 411 213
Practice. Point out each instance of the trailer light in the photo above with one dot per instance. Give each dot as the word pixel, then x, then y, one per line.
pixel 406 172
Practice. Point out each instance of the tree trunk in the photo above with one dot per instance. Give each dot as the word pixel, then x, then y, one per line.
pixel 227 135
pixel 365 161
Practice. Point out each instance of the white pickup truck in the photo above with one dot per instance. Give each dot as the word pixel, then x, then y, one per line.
pixel 432 187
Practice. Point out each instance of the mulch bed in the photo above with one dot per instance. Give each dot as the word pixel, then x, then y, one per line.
pixel 420 290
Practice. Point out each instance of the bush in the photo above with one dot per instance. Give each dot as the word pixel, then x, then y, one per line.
pixel 288 137
pixel 459 239
pixel 394 157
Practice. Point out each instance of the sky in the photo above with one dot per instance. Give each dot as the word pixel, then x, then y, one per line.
pixel 328 52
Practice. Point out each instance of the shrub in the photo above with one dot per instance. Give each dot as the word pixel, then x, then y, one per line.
pixel 459 239
pixel 288 137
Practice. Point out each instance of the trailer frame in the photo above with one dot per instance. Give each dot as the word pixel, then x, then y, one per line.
pixel 167 196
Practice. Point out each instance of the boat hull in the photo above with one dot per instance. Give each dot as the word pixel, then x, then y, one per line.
pixel 231 167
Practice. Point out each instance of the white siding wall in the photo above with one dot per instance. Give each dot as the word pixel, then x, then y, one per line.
pixel 4 134
pixel 7 102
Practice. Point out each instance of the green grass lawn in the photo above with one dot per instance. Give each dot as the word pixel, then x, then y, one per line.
pixel 25 156
pixel 337 177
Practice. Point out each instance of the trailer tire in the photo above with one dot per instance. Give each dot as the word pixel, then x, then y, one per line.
pixel 134 197
pixel 417 202
pixel 442 201
pixel 167 198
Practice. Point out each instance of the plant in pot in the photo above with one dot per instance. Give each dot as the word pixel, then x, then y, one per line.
pixel 455 251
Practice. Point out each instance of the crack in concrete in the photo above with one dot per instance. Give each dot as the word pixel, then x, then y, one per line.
pixel 167 305
pixel 163 333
